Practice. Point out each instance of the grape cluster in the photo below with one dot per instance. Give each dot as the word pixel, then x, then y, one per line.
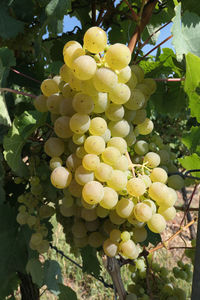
pixel 183 271
pixel 97 107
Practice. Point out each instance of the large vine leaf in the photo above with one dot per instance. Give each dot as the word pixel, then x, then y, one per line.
pixel 192 139
pixel 23 126
pixel 58 8
pixel 52 276
pixel 192 82
pixel 186 33
pixel 4 115
pixel 35 269
pixel 191 162
pixel 90 261
pixel 9 26
pixel 66 293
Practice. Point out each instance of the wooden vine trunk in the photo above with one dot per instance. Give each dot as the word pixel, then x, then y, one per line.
pixel 29 291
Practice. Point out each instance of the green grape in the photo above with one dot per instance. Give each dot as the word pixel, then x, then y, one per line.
pixel 125 236
pixel 139 234
pixel 55 162
pixel 31 221
pixel 128 249
pixel 86 205
pixel 73 162
pixel 102 212
pixel 145 127
pixel 67 211
pixel 80 152
pixel 36 238
pixel 151 204
pixel 119 143
pixel 84 67
pixel 120 94
pixel 78 139
pixel 151 84
pixel 82 103
pixel 36 190
pixel 40 103
pixel 91 162
pixel 110 155
pixel 130 138
pixel 117 180
pixel 146 179
pixel 80 242
pixel 109 199
pixel 46 211
pixel 49 87
pixel 138 71
pixel 88 214
pixel 94 145
pixel 43 247
pixel 129 115
pixel 115 112
pixel 107 135
pixel 152 159
pixel 62 127
pixel 93 192
pixel 115 235
pixel 87 87
pixel 168 213
pixel 124 207
pixel 136 100
pixel 61 177
pixel 95 239
pixel 78 229
pixel 71 53
pixel 53 103
pixel 69 43
pixel 142 212
pixel 136 187
pixel 35 180
pixel 115 218
pixel 67 201
pixel 124 74
pixel 54 147
pixel 132 81
pixel 83 176
pixel 105 80
pixel 64 73
pixel 110 248
pixel 141 147
pixel 101 102
pixel 140 116
pixel 95 39
pixel 66 108
pixel 176 182
pixel 140 264
pixel 164 156
pixel 22 218
pixel 92 226
pixel 157 223
pixel 118 56
pixel 159 175
pixel 79 123
pixel 121 164
pixel 119 128
pixel 98 126
pixel 103 172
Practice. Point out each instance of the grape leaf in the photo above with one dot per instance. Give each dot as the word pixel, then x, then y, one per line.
pixel 192 82
pixel 7 60
pixel 192 139
pixel 186 33
pixel 191 162
pixel 35 269
pixel 4 115
pixel 52 276
pixel 153 238
pixel 66 293
pixel 90 261
pixel 58 8
pixel 9 26
pixel 22 127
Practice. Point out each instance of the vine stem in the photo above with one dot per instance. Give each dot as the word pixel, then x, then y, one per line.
pixel 169 79
pixel 181 208
pixel 188 206
pixel 26 76
pixel 17 92
pixel 134 15
pixel 165 243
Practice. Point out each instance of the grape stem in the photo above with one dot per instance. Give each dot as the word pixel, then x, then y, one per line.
pixel 181 208
pixel 26 76
pixel 17 92
pixel 147 277
pixel 130 163
pixel 169 79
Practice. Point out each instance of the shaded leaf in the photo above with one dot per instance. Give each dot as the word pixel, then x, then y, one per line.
pixel 4 115
pixel 90 261
pixel 66 293
pixel 58 8
pixel 192 139
pixel 152 238
pixel 52 276
pixel 9 26
pixel 35 269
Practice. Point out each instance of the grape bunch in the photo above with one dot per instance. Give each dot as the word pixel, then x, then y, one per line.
pixel 97 106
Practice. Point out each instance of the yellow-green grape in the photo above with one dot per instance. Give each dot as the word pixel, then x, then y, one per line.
pixel 49 87
pixel 80 152
pixel 79 123
pixel 136 187
pixel 117 180
pixel 57 80
pixel 140 116
pixel 119 129
pixel 54 147
pixel 151 204
pixel 83 103
pixel 78 139
pixel 103 172
pixel 62 127
pixel 67 91
pixel 139 234
pixel 109 199
pixel 145 127
pixel 98 126
pixel 136 100
pixel 78 229
pixel 159 175
pixel 73 162
pixel 40 103
pixel 87 205
pixel 168 213
pixel 74 83
pixel 75 188
pixel 102 212
pixel 36 238
pixel 87 87
pixel 66 108
pixel 118 56
pixel 107 135
pixel 101 102
pixel 80 242
pixel 31 220
pixel 67 200
pixel 46 211
pixel 132 81
pixel 157 223
pixel 105 80
pixel 144 89
pixel 61 177
pixel 130 138
pixel 121 164
pixel 163 195
pixel 43 247
pixel 176 182
pixel 64 73
pixel 88 214
pixel 141 147
pixel 115 218
pixel 110 155
pixel 164 156
pixel 124 74
pixel 125 236
pixel 152 160
pixel 95 239
pixel 67 211
pixel 124 207
pixel 83 176
pixel 110 248
pixel 138 71
pixel 151 84
pixel 108 226
pixel 115 235
pixel 91 162
pixel 84 67
pixel 22 218
pixel 95 39
pixel 119 143
pixel 93 225
pixel 142 212
pixel 53 103
pixel 93 192
pixel 69 44
pixel 129 115
pixel 94 145
pixel 115 112
pixel 55 162
pixel 120 94
pixel 128 249
pixel 61 85
pixel 71 53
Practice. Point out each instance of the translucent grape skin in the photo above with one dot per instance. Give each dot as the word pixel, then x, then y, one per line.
pixel 110 248
pixel 93 192
pixel 84 67
pixel 49 87
pixel 61 177
pixel 124 207
pixel 142 212
pixel 118 56
pixel 54 147
pixel 157 223
pixel 94 145
pixel 95 39
pixel 136 187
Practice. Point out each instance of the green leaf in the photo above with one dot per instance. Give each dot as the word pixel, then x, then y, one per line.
pixel 152 238
pixel 23 126
pixel 191 162
pixel 7 60
pixel 35 269
pixel 90 261
pixel 52 276
pixel 66 293
pixel 192 82
pixel 186 33
pixel 58 8
pixel 2 174
pixel 192 139
pixel 9 26
pixel 4 115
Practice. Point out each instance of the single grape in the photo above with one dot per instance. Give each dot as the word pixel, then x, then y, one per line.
pixel 61 177
pixel 83 103
pixel 120 94
pixel 140 116
pixel 49 87
pixel 157 223
pixel 152 159
pixel 90 162
pixel 83 176
pixel 125 236
pixel 55 162
pixel 141 147
pixel 145 127
pixel 109 199
pixel 119 143
pixel 115 112
pixel 168 213
pixel 103 172
pixel 71 53
pixel 110 248
pixel 40 103
pixel 93 192
pixel 62 127
pixel 54 147
pixel 128 249
pixel 64 73
pixel 136 187
pixel 88 214
pixel 124 207
pixel 142 212
pixel 117 180
pixel 176 182
pixel 139 234
pixel 84 67
pixel 110 155
pixel 115 235
pixel 79 123
pixel 78 229
pixel 105 80
pixel 95 39
pixel 136 100
pixel 98 126
pixel 159 175
pixel 73 162
pixel 124 74
pixel 94 145
pixel 118 56
pixel 119 128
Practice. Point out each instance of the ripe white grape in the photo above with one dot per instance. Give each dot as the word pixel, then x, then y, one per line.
pixel 121 164
pixel 75 189
pixel 120 94
pixel 94 145
pixel 102 212
pixel 176 182
pixel 162 194
pixel 53 103
pixel 84 67
pixel 124 207
pixel 125 236
pixel 139 234
pixel 83 103
pixel 87 87
pixel 146 179
pixel 49 87
pixel 66 108
pixel 136 100
pixel 164 156
pixel 103 172
pixel 152 159
pixel 128 249
pixel 64 72
pixel 109 199
pixel 107 135
pixel 110 248
pixel 124 74
pixel 69 43
pixel 40 103
pixel 54 147
pixel 119 143
pixel 95 239
pixel 136 187
pixel 118 56
pixel 101 102
pixel 145 127
pixel 130 138
pixel 140 116
pixel 95 39
pixel 115 235
pixel 110 155
pixel 117 180
pixel 168 213
pixel 98 126
pixel 61 177
pixel 115 112
pixel 115 218
pixel 80 152
pixel 141 147
pixel 93 192
pixel 142 212
pixel 67 91
pixel 157 223
pixel 144 89
pixel 62 127
pixel 83 176
pixel 105 80
pixel 119 129
pixel 151 204
pixel 159 175
pixel 73 162
pixel 79 123
pixel 74 83
pixel 91 162
pixel 87 205
pixel 71 53
pixel 138 71
pixel 78 139
pixel 88 214
pixel 129 115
